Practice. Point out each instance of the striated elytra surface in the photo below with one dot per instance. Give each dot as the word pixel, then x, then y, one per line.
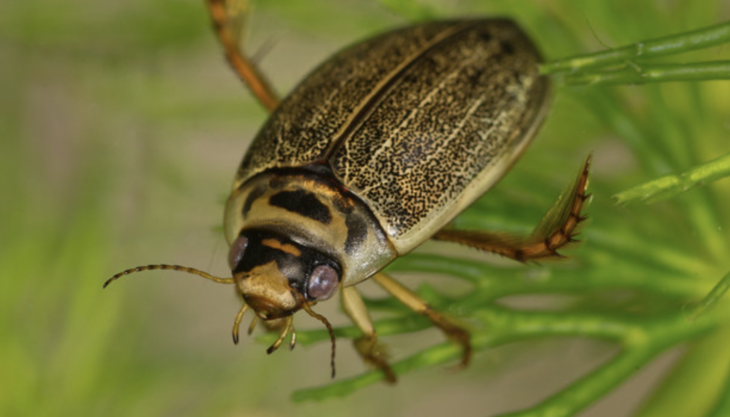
pixel 418 122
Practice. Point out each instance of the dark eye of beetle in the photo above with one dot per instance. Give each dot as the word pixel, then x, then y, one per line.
pixel 322 283
pixel 236 252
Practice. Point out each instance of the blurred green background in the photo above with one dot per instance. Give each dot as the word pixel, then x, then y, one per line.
pixel 121 127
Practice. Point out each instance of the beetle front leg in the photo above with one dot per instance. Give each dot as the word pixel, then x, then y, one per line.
pixel 227 24
pixel 367 346
pixel 417 304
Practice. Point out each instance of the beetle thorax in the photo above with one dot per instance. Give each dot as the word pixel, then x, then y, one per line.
pixel 312 211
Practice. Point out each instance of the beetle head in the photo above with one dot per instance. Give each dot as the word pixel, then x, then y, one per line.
pixel 277 276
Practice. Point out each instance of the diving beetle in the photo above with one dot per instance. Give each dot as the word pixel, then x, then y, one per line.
pixel 373 153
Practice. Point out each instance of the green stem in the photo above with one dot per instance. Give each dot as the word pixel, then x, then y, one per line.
pixel 520 325
pixel 632 272
pixel 661 257
pixel 641 74
pixel 439 354
pixel 586 390
pixel 504 326
pixel 711 299
pixel 673 184
pixel 669 45
pixel 638 351
pixel 704 360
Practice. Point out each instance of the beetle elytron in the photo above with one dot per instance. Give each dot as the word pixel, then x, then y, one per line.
pixel 375 152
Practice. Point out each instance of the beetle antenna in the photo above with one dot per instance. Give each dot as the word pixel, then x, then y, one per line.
pixel 170 267
pixel 237 323
pixel 329 329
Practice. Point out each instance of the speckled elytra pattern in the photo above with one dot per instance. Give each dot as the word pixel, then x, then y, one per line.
pixel 407 120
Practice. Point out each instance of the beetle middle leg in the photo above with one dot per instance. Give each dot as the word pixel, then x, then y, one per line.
pixel 227 16
pixel 367 346
pixel 417 304
pixel 557 228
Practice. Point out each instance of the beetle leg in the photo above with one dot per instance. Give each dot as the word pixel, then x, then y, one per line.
pixel 417 304
pixel 227 18
pixel 556 229
pixel 367 345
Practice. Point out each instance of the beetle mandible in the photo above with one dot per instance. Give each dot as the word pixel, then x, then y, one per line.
pixel 372 154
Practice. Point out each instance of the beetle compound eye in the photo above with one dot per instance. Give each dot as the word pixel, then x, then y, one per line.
pixel 322 283
pixel 236 253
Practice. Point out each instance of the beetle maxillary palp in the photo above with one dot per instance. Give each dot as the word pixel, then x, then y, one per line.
pixel 237 323
pixel 252 325
pixel 287 328
pixel 293 340
pixel 172 268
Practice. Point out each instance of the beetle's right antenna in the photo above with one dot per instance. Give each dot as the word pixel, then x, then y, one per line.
pixel 172 268
pixel 327 324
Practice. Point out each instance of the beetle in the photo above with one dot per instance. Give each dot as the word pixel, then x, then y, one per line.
pixel 373 153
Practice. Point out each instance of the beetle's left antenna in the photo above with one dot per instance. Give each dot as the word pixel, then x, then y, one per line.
pixel 172 268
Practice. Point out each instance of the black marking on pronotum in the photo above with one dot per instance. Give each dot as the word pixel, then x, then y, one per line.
pixel 254 195
pixel 304 203
pixel 357 232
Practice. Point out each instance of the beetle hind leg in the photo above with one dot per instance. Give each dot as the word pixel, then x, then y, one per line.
pixel 556 230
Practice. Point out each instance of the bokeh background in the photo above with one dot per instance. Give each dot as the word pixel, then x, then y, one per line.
pixel 120 130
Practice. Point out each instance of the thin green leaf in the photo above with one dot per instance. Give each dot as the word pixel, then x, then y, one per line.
pixel 636 73
pixel 668 45
pixel 711 299
pixel 673 184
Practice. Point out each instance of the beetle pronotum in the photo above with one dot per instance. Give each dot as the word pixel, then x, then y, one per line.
pixel 375 152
